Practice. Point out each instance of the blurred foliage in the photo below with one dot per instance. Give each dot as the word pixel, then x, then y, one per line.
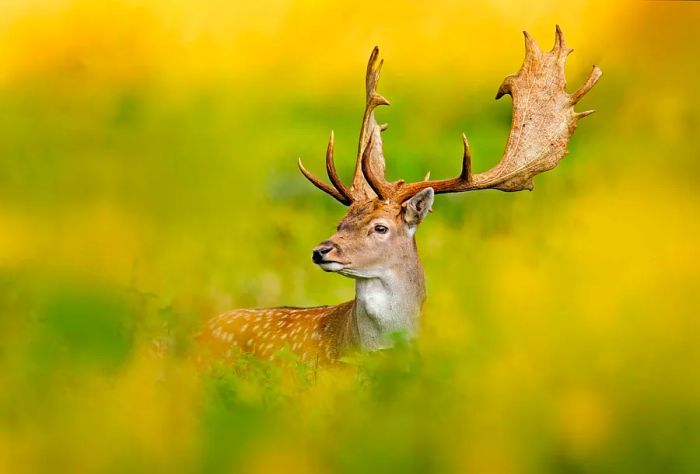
pixel 148 181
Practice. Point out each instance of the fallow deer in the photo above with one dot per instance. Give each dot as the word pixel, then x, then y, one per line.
pixel 375 241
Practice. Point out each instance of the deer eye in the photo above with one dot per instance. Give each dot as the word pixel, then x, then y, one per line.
pixel 381 229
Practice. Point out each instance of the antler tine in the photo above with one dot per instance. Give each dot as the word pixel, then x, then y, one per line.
pixel 559 43
pixel 374 71
pixel 461 183
pixel 587 86
pixel 542 124
pixel 338 195
pixel 466 175
pixel 332 173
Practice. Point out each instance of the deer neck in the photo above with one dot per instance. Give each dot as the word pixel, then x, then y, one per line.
pixel 389 302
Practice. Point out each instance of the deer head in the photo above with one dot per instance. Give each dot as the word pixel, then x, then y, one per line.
pixel 378 230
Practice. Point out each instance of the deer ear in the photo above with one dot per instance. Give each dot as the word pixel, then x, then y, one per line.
pixel 416 208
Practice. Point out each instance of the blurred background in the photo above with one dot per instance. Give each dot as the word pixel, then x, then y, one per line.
pixel 148 180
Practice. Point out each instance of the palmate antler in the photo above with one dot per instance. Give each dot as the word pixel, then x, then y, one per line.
pixel 543 122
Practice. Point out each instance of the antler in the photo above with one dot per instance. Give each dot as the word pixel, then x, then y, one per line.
pixel 543 122
pixel 339 191
pixel 369 149
pixel 370 143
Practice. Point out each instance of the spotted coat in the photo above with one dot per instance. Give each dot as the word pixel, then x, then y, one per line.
pixel 318 335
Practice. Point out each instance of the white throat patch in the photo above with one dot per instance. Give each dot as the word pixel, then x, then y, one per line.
pixel 382 307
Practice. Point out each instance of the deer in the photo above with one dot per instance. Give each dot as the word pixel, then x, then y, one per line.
pixel 375 244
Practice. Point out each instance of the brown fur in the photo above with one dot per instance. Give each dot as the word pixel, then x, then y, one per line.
pixel 317 335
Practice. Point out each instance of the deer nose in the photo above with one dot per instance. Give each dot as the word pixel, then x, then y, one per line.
pixel 320 251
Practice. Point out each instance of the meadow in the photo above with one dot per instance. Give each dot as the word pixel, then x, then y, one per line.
pixel 148 181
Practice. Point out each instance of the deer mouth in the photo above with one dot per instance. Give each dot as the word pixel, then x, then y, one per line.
pixel 330 265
